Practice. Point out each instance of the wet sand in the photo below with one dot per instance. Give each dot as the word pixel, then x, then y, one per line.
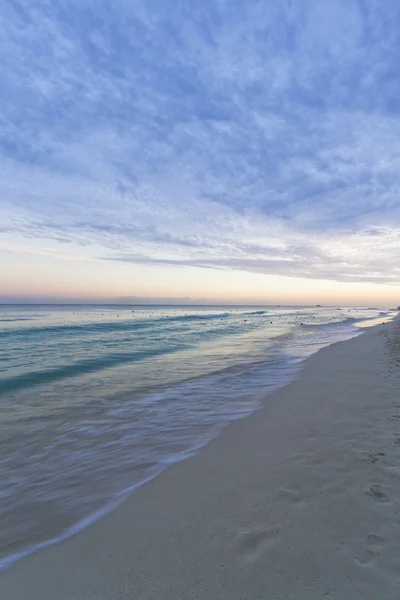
pixel 301 500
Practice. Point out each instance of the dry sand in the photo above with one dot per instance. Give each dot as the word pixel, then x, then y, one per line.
pixel 299 501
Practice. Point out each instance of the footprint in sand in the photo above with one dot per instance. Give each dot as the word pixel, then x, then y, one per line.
pixel 376 492
pixel 374 458
pixel 370 457
pixel 374 546
pixel 291 496
pixel 251 544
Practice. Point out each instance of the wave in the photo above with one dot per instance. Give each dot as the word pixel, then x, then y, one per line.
pixel 85 328
pixel 34 378
pixel 196 317
pixel 92 518
pixel 345 321
pixel 105 327
pixel 15 319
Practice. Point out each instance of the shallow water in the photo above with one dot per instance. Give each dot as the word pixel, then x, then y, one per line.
pixel 96 400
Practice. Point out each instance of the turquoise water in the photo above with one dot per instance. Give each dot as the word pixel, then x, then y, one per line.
pixel 95 400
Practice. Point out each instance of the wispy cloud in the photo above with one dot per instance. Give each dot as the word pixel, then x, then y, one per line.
pixel 256 136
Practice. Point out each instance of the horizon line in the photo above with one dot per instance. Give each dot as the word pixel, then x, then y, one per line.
pixel 190 305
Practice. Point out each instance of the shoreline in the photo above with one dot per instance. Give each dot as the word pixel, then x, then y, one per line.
pixel 185 501
pixel 292 368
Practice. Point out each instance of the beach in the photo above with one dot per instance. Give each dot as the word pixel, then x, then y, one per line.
pixel 300 500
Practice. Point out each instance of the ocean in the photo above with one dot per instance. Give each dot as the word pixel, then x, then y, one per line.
pixel 97 400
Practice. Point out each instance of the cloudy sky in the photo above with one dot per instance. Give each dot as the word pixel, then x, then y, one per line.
pixel 219 150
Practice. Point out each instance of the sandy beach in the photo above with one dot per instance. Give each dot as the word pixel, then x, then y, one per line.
pixel 298 501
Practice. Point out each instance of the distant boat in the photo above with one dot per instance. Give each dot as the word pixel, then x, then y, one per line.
pixel 318 306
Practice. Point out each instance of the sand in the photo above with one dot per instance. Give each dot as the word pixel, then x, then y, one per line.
pixel 299 501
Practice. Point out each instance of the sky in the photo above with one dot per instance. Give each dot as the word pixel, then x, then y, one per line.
pixel 213 151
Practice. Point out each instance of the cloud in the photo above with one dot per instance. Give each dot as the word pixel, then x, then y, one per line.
pixel 250 136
